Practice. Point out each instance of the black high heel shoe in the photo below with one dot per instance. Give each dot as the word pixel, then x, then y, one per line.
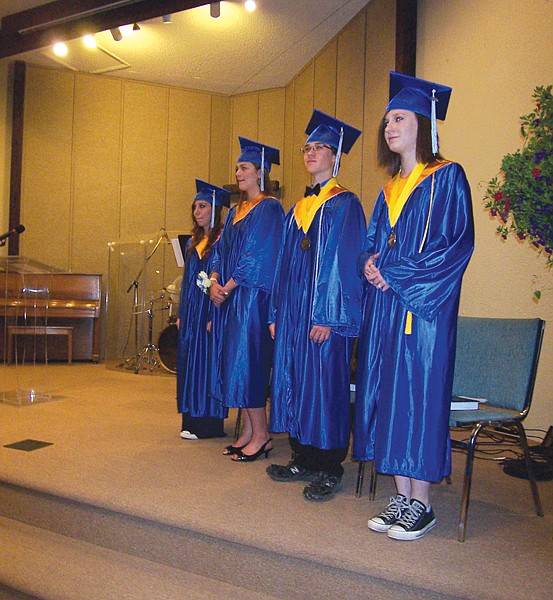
pixel 230 449
pixel 240 456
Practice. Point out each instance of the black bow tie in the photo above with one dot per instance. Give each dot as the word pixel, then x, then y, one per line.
pixel 312 191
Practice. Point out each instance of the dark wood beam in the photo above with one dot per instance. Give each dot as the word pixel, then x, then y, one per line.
pixel 64 20
pixel 406 36
pixel 17 153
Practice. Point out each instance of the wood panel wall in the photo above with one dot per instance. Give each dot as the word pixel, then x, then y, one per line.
pixel 107 159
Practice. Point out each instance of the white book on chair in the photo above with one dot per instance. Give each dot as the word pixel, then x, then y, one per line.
pixel 466 403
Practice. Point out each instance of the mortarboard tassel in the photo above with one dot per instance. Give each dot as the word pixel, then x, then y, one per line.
pixel 262 183
pixel 433 127
pixel 338 153
pixel 212 208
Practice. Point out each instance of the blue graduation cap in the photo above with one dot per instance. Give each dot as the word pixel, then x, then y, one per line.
pixel 419 96
pixel 331 131
pixel 208 192
pixel 258 153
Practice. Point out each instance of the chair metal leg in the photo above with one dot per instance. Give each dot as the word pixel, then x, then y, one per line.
pixel 237 426
pixel 529 468
pixel 372 484
pixel 462 529
pixel 360 478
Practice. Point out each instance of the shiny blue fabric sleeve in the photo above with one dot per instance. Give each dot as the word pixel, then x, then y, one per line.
pixel 337 294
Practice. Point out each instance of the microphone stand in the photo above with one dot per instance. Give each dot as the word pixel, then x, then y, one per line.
pixel 150 352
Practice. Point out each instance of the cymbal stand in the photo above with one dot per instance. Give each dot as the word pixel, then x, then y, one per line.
pixel 149 356
pixel 133 363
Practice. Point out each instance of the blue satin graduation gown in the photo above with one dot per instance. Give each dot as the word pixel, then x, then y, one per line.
pixel 404 381
pixel 194 344
pixel 310 397
pixel 247 251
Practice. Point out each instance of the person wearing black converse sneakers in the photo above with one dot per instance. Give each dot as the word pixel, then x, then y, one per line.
pixel 419 241
pixel 315 315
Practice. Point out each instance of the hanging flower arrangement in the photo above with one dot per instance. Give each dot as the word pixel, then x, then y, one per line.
pixel 521 197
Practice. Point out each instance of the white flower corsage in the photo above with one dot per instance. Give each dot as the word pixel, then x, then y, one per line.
pixel 203 282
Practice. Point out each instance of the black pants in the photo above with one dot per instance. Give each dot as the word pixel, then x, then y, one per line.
pixel 316 459
pixel 203 427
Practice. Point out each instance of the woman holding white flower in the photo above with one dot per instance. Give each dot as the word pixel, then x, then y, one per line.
pixel 242 277
pixel 202 417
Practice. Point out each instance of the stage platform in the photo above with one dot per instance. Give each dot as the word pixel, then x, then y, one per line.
pixel 118 506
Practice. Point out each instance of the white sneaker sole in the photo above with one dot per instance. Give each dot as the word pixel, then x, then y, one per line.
pixel 379 527
pixel 401 534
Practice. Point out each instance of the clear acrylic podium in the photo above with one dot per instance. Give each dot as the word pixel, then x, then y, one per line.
pixel 24 301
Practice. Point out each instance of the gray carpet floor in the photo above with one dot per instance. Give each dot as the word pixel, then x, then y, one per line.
pixel 115 444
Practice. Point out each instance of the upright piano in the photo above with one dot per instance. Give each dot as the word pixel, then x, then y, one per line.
pixel 63 298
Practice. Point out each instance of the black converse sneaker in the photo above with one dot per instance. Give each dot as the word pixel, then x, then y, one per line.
pixel 390 515
pixel 414 522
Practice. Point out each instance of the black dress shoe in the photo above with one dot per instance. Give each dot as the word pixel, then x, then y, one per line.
pixel 230 449
pixel 323 488
pixel 291 472
pixel 240 456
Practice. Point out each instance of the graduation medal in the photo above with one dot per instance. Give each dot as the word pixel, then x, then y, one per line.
pixel 392 239
pixel 305 244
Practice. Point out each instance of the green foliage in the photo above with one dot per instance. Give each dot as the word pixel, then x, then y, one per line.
pixel 521 196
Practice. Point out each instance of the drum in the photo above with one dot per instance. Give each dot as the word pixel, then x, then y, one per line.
pixel 173 290
pixel 167 345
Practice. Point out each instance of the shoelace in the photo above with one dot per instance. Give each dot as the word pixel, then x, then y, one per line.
pixel 325 480
pixel 411 515
pixel 395 508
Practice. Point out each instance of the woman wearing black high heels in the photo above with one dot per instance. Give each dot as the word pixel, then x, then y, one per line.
pixel 243 268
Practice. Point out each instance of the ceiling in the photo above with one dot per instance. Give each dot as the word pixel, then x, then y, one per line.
pixel 235 53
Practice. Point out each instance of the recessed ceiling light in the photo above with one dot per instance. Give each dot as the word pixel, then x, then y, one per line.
pixel 249 5
pixel 89 41
pixel 60 49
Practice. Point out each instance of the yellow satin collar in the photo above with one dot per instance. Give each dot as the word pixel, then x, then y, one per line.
pixel 397 191
pixel 306 209
pixel 200 246
pixel 245 207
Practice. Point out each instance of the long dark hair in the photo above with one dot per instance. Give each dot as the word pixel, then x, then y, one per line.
pixel 198 232
pixel 391 161
pixel 268 184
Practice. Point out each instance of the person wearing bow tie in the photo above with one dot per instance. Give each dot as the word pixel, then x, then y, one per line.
pixel 315 314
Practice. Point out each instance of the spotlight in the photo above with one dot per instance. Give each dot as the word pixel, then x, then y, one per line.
pixel 167 19
pixel 249 5
pixel 136 27
pixel 60 49
pixel 215 9
pixel 116 34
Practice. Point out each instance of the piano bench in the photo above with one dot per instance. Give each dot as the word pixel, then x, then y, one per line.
pixel 40 330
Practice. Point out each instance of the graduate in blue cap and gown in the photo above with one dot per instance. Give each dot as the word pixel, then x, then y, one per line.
pixel 242 275
pixel 315 315
pixel 419 241
pixel 202 415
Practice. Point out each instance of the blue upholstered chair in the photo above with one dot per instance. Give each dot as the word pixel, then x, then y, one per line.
pixel 497 360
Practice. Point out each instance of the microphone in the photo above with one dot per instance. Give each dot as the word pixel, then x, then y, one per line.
pixel 18 229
